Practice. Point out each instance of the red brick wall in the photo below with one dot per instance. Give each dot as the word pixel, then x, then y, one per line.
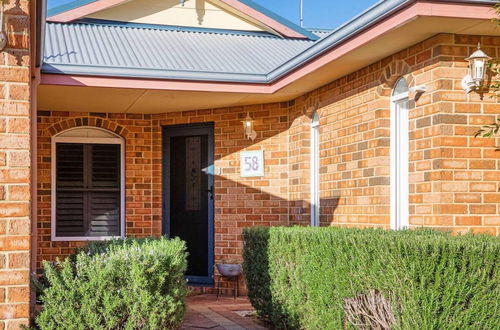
pixel 136 131
pixel 239 203
pixel 15 197
pixel 454 178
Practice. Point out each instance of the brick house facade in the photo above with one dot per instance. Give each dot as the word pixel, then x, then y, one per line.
pixel 454 180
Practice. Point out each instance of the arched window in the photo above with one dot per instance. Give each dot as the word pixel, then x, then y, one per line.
pixel 87 185
pixel 315 201
pixel 399 155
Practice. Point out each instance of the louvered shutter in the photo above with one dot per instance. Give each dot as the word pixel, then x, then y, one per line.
pixel 70 203
pixel 87 190
pixel 104 199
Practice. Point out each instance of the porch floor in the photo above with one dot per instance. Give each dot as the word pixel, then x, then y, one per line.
pixel 209 312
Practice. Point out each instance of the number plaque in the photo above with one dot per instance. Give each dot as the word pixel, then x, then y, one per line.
pixel 252 163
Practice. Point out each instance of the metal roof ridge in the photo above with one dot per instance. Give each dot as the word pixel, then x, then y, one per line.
pixel 319 29
pixel 102 22
pixel 280 19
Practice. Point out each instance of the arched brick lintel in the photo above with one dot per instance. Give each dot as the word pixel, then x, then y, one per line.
pixel 90 122
pixel 391 74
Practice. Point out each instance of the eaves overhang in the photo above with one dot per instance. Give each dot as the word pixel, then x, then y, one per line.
pixel 377 20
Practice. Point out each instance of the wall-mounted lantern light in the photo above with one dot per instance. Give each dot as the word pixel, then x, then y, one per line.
pixel 250 134
pixel 478 62
pixel 3 35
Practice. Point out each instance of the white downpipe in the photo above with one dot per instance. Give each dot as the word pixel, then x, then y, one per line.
pixel 399 161
pixel 315 201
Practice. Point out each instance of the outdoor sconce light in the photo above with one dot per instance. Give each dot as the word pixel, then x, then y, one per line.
pixel 250 134
pixel 478 62
pixel 3 35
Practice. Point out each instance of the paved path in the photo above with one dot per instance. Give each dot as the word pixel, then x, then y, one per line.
pixel 209 312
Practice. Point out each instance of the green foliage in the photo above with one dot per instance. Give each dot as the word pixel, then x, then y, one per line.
pixel 489 130
pixel 121 284
pixel 303 278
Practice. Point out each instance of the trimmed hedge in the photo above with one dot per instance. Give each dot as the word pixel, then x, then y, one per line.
pixel 306 278
pixel 120 284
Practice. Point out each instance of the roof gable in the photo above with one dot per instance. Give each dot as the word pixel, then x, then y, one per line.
pixel 192 13
pixel 241 15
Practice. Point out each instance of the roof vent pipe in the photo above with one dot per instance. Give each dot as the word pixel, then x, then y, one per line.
pixel 301 13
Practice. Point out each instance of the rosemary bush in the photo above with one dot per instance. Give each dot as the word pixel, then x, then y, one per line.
pixel 121 284
pixel 335 278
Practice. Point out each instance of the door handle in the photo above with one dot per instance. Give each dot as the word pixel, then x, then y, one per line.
pixel 211 192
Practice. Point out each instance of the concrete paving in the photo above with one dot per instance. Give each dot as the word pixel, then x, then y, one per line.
pixel 209 312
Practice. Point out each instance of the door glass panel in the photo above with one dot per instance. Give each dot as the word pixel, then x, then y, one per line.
pixel 193 173
pixel 189 198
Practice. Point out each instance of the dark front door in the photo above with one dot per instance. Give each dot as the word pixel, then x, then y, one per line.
pixel 188 211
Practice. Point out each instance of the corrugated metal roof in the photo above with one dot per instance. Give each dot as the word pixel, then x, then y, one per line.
pixel 166 53
pixel 163 52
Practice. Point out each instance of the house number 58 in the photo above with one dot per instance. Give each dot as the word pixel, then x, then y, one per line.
pixel 252 163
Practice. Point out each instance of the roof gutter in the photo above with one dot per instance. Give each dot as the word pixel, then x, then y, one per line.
pixel 153 73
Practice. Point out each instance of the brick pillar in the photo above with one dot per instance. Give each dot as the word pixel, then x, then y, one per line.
pixel 15 172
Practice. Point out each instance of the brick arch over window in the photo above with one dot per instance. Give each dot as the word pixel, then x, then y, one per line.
pixel 90 122
pixel 311 110
pixel 391 74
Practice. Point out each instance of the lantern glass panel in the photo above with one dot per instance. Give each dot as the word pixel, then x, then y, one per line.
pixel 248 126
pixel 478 67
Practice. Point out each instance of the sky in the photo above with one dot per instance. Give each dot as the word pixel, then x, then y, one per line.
pixel 326 14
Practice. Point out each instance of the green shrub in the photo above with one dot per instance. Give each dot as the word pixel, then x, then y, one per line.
pixel 121 284
pixel 313 278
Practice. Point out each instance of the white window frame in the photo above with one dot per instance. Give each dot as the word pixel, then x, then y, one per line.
pixel 315 200
pixel 400 160
pixel 86 140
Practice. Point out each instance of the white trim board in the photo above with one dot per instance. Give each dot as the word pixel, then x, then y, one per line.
pixel 315 200
pixel 399 161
